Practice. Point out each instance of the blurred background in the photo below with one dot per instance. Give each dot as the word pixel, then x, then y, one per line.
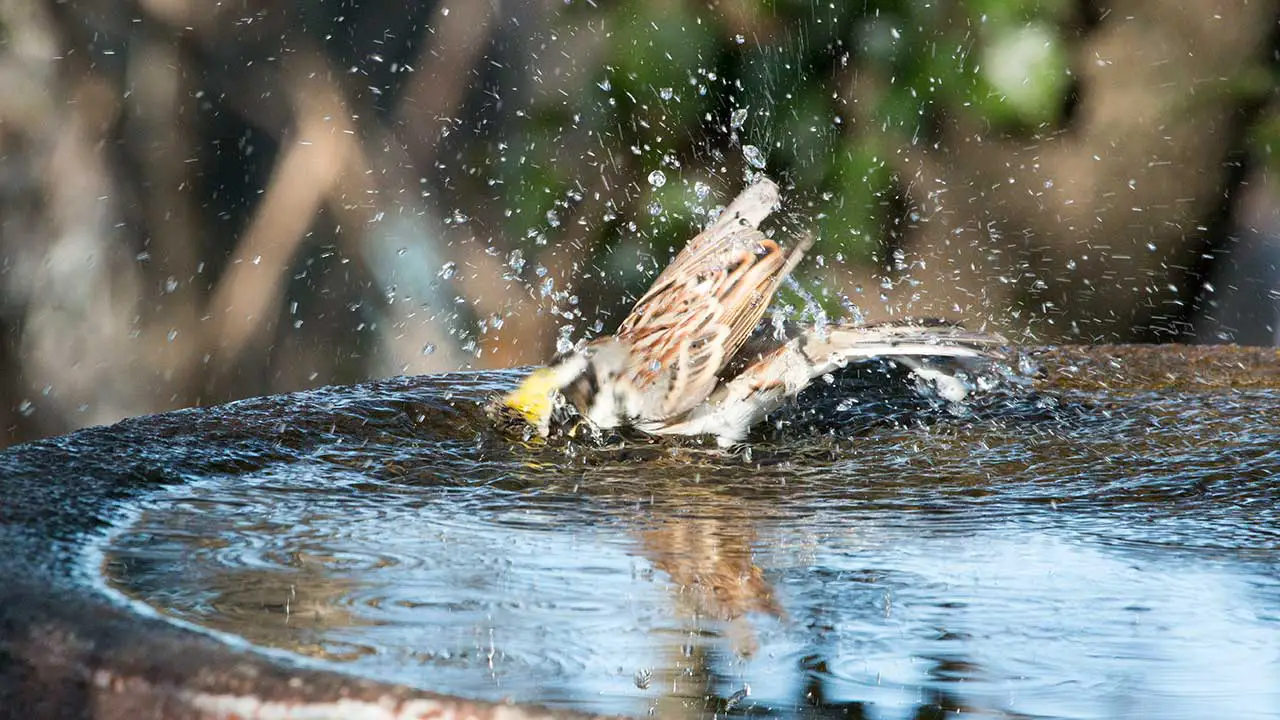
pixel 206 201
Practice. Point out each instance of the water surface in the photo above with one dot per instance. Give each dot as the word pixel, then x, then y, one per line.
pixel 1082 554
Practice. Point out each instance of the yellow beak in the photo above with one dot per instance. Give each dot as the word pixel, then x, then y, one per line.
pixel 533 399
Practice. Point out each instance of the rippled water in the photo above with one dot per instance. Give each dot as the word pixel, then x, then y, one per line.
pixel 1095 555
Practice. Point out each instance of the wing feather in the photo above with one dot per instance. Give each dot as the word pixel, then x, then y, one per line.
pixel 705 305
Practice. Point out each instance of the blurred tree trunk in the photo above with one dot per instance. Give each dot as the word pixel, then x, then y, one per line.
pixel 1099 232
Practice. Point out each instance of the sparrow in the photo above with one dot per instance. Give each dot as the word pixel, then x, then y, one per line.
pixel 693 357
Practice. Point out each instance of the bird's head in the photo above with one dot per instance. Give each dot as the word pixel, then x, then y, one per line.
pixel 571 386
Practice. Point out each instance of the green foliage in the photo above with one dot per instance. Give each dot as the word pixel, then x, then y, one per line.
pixel 1024 74
pixel 1015 12
pixel 657 51
pixel 822 90
pixel 1264 140
pixel 854 208
pixel 537 181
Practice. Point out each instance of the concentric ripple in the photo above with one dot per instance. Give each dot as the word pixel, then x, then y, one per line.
pixel 1100 556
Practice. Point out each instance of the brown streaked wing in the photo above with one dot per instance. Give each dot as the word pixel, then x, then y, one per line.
pixel 706 303
pixel 693 321
pixel 746 301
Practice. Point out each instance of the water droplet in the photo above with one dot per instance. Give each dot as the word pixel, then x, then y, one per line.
pixel 1071 264
pixel 738 118
pixel 737 697
pixel 655 208
pixel 564 343
pixel 516 261
pixel 657 178
pixel 754 157
pixel 666 93
pixel 701 190
pixel 739 39
pixel 428 349
pixel 642 678
pixel 170 284
pixel 899 259
pixel 553 219
pixel 605 85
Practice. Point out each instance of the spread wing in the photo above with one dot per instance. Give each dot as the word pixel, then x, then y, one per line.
pixel 704 306
pixel 789 367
